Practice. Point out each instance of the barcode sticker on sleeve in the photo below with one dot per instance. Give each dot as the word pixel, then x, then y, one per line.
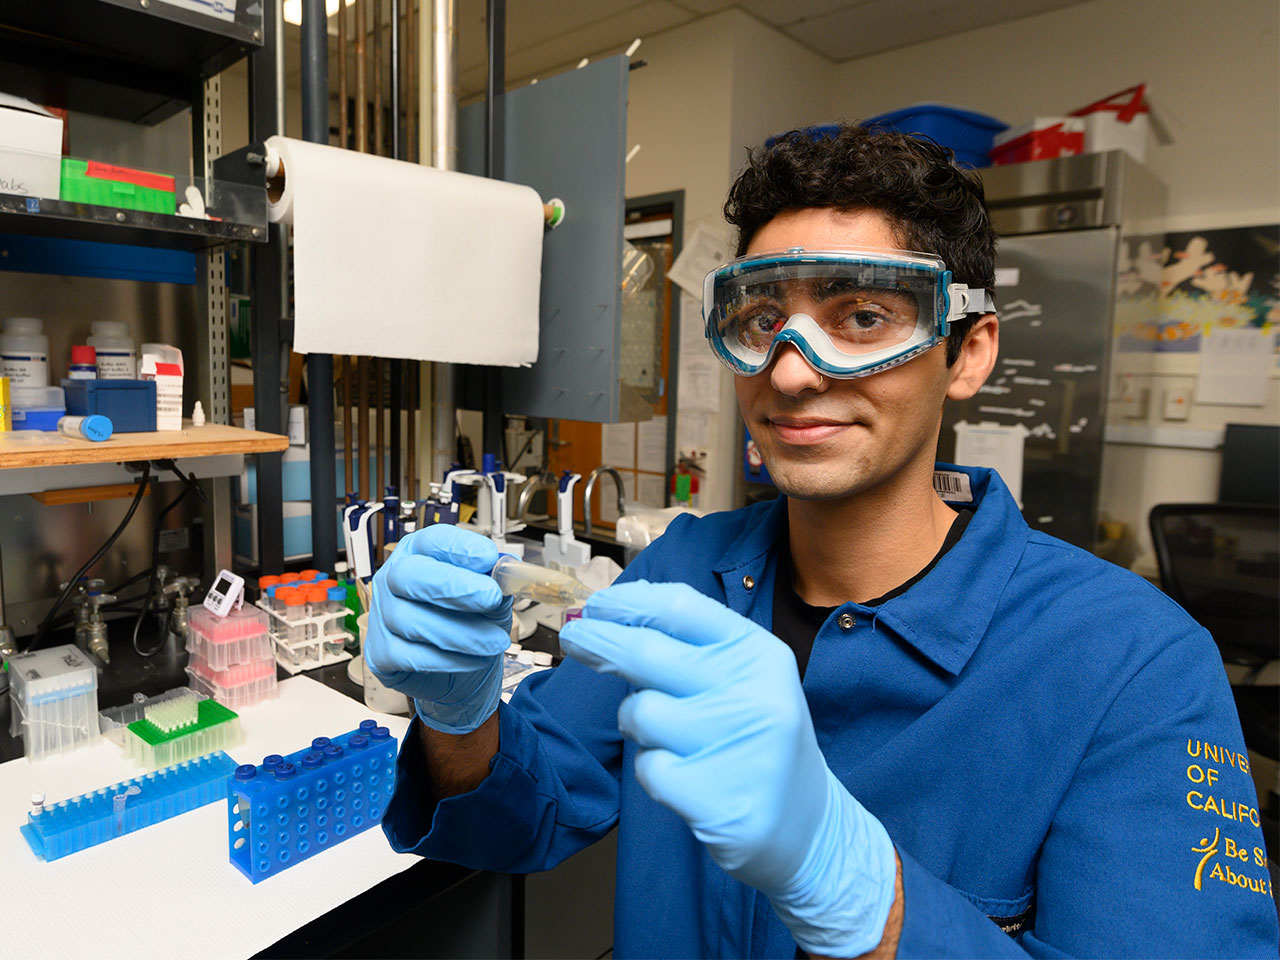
pixel 952 486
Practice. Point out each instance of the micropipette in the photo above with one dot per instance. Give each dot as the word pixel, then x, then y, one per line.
pixel 529 581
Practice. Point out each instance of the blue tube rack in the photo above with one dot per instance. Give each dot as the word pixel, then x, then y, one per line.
pixel 72 825
pixel 289 808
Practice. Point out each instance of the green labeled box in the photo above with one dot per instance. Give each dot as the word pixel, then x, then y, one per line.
pixel 106 185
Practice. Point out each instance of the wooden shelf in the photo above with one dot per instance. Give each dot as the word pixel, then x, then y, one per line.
pixel 210 440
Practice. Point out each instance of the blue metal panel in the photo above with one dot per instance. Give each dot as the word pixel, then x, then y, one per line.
pixel 86 258
pixel 567 137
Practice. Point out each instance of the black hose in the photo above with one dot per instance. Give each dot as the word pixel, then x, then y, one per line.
pixel 88 564
pixel 151 581
pixel 140 575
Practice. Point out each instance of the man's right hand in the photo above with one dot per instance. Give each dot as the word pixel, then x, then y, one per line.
pixel 438 627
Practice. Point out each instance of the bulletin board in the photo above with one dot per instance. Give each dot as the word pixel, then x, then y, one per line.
pixel 1198 281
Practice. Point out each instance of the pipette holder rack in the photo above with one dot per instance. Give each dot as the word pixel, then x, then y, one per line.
pixel 303 643
pixel 290 808
pixel 72 825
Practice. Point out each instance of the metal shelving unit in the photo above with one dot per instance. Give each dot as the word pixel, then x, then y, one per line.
pixel 141 61
pixel 33 216
pixel 130 60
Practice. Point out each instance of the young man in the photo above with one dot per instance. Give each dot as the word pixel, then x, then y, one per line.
pixel 857 719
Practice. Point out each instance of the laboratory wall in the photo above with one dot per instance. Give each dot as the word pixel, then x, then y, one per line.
pixel 680 113
pixel 1213 78
pixel 1212 75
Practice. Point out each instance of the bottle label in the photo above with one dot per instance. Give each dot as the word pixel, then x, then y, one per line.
pixel 117 365
pixel 82 371
pixel 25 369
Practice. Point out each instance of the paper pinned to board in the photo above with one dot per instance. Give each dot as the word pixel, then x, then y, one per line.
pixel 397 259
pixel 995 445
pixel 651 445
pixel 1235 366
pixel 651 489
pixel 699 371
pixel 618 445
pixel 702 253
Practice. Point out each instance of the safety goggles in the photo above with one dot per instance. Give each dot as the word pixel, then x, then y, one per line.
pixel 850 312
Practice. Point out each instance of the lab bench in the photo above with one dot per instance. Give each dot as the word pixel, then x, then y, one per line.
pixel 431 909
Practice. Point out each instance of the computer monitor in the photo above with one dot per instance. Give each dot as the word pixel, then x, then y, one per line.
pixel 1250 464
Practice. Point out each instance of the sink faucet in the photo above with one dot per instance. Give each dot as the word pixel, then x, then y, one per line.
pixel 543 481
pixel 586 495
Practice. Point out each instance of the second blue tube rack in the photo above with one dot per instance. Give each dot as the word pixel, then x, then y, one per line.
pixel 98 816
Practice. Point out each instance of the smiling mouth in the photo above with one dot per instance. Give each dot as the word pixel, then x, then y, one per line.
pixel 796 430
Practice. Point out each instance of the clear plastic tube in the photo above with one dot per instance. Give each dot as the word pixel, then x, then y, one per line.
pixel 522 580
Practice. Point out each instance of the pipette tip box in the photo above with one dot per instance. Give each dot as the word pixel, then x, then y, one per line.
pixel 238 687
pixel 53 697
pixel 72 825
pixel 176 729
pixel 289 808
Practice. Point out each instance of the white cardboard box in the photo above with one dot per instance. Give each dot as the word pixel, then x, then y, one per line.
pixel 1103 132
pixel 30 148
pixel 163 364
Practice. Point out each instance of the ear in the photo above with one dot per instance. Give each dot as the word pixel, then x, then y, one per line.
pixel 977 358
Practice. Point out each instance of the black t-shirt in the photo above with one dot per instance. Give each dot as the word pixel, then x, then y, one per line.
pixel 797 623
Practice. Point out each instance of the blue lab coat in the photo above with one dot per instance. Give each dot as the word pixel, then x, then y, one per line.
pixel 1048 739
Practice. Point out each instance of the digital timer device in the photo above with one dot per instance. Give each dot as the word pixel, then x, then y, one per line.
pixel 226 594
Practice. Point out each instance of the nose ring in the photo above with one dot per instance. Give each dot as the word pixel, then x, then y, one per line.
pixel 821 380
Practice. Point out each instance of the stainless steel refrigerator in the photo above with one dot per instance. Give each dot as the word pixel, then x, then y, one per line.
pixel 1067 227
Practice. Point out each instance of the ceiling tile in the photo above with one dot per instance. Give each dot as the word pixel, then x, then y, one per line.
pixel 781 13
pixel 591 40
pixel 703 7
pixel 531 23
pixel 879 25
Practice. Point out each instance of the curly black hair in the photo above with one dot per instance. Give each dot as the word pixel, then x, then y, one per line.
pixel 933 205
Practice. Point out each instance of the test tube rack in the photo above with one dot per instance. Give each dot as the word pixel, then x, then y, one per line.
pixel 303 644
pixel 289 808
pixel 69 826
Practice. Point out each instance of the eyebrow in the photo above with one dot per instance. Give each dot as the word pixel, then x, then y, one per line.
pixel 821 289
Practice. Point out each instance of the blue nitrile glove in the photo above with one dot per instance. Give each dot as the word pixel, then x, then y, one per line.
pixel 438 626
pixel 727 743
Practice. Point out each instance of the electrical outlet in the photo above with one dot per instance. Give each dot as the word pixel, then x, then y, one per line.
pixel 1134 402
pixel 1177 403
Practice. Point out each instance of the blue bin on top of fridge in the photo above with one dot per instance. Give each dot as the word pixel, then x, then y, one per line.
pixel 968 133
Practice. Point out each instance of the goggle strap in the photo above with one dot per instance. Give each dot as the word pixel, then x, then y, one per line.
pixel 966 301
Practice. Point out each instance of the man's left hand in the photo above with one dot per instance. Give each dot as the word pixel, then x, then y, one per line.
pixel 727 743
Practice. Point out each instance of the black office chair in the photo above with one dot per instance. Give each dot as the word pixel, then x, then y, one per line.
pixel 1221 563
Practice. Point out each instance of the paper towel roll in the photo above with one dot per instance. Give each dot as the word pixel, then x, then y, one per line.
pixel 394 259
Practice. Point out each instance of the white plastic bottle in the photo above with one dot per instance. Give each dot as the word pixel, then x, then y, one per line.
pixel 116 351
pixel 24 352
